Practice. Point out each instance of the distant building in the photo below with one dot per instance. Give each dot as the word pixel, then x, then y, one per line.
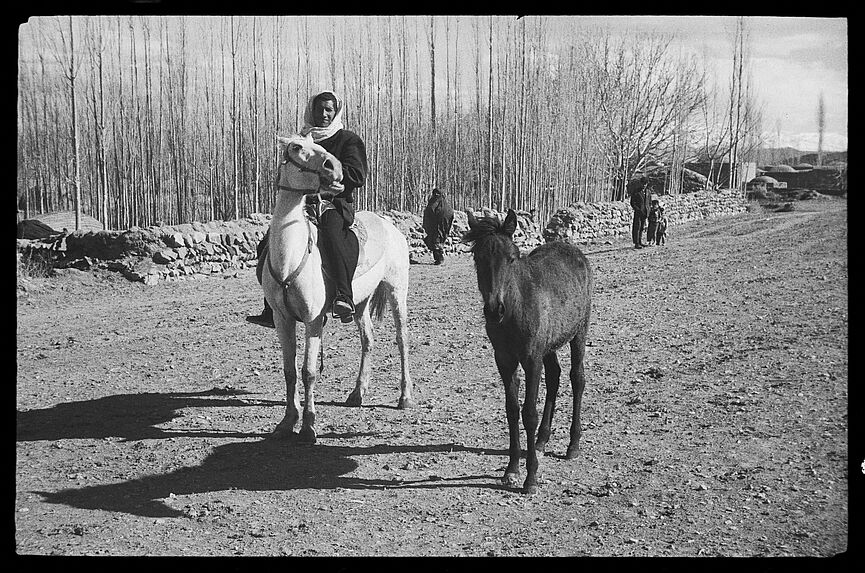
pixel 721 171
pixel 764 183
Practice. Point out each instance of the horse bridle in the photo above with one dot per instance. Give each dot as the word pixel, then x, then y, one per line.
pixel 285 283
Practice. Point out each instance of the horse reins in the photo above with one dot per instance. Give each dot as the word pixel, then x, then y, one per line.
pixel 285 283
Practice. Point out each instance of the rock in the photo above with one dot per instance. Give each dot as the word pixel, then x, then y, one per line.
pixel 173 239
pixel 164 256
pixel 141 270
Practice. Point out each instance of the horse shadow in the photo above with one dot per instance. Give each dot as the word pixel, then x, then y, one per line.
pixel 264 464
pixel 127 416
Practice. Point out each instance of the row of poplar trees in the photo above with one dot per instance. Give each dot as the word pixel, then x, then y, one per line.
pixel 144 120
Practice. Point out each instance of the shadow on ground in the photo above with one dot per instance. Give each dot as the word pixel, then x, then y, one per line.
pixel 257 463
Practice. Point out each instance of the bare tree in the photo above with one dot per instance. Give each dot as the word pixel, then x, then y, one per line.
pixel 617 105
pixel 235 123
pixel 432 57
pixel 821 127
pixel 642 95
pixel 64 54
pixel 490 123
pixel 741 100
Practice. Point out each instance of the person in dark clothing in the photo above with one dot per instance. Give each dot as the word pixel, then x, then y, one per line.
pixel 661 233
pixel 438 217
pixel 323 119
pixel 639 190
pixel 651 231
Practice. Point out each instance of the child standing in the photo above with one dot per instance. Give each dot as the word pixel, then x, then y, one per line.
pixel 661 232
pixel 653 222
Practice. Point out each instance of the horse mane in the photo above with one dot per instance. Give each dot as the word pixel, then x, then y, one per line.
pixel 486 228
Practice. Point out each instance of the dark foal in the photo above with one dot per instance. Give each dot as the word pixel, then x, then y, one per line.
pixel 533 305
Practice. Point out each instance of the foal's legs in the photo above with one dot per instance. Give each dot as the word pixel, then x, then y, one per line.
pixel 578 383
pixel 364 327
pixel 507 366
pixel 310 377
pixel 552 372
pixel 287 331
pixel 532 368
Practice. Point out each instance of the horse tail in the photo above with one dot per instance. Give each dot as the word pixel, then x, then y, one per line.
pixel 378 301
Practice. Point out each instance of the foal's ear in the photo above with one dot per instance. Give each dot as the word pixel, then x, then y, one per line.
pixel 510 224
pixel 471 216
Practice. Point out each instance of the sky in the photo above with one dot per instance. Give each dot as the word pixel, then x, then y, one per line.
pixel 793 60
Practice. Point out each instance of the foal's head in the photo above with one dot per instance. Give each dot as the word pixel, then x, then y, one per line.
pixel 304 163
pixel 494 252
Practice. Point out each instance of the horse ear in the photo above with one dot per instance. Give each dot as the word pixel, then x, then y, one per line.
pixel 472 220
pixel 281 145
pixel 510 224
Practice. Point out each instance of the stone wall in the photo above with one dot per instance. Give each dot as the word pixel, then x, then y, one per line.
pixel 156 253
pixel 585 222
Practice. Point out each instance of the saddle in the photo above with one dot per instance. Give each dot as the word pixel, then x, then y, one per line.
pixel 317 204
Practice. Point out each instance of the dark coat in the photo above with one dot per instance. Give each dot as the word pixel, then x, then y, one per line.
pixel 438 217
pixel 349 148
pixel 641 196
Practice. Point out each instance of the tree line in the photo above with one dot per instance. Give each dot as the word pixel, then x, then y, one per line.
pixel 137 120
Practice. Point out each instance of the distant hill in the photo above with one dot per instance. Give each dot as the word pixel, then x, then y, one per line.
pixel 793 156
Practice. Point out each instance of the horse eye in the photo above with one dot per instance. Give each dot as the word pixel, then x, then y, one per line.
pixel 295 147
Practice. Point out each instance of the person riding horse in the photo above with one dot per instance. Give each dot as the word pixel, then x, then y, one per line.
pixel 323 119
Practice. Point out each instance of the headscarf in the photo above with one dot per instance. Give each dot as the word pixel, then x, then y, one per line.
pixel 322 133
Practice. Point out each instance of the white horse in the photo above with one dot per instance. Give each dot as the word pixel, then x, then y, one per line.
pixel 297 289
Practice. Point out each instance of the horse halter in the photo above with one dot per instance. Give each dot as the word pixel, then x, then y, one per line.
pixel 300 166
pixel 303 169
pixel 285 283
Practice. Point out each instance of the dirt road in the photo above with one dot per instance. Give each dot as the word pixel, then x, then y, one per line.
pixel 715 414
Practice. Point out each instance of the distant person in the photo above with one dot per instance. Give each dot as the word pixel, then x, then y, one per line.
pixel 653 222
pixel 438 217
pixel 661 232
pixel 638 189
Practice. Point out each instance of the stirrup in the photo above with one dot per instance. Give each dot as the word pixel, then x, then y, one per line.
pixel 348 314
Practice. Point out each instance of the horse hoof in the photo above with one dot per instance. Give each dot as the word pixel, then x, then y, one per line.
pixel 530 489
pixel 511 480
pixel 405 403
pixel 283 431
pixel 540 447
pixel 307 435
pixel 282 435
pixel 573 451
pixel 354 399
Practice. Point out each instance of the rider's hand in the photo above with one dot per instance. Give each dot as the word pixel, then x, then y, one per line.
pixel 332 186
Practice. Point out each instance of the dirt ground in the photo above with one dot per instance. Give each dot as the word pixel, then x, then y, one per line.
pixel 715 414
